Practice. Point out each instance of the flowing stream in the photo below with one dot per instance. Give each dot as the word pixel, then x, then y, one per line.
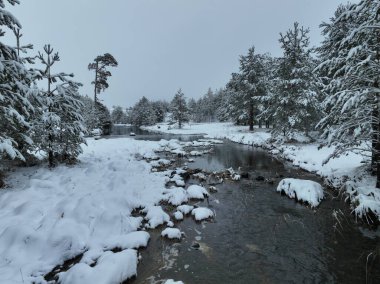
pixel 260 236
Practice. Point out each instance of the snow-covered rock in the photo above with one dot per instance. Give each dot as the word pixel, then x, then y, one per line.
pixel 307 191
pixel 110 268
pixel 202 213
pixel 156 216
pixel 171 281
pixel 178 215
pixel 185 209
pixel 171 233
pixel 132 240
pixel 176 195
pixel 196 192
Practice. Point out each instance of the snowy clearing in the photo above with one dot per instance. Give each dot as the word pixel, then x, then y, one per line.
pixel 82 209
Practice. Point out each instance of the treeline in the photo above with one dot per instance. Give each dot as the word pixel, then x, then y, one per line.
pixel 41 109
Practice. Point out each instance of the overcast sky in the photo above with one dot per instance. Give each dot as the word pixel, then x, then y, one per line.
pixel 163 45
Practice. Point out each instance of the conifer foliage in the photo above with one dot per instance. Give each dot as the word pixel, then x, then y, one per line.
pixel 179 110
pixel 60 130
pixel 351 59
pixel 100 65
pixel 16 93
pixel 293 104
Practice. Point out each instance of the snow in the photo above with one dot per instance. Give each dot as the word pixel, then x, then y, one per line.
pixel 132 240
pixel 196 192
pixel 48 216
pixel 307 191
pixel 171 233
pixel 185 209
pixel 171 281
pixel 156 216
pixel 111 268
pixel 178 215
pixel 176 195
pixel 202 213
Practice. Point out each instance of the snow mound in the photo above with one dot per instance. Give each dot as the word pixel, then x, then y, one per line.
pixel 185 209
pixel 171 233
pixel 196 192
pixel 132 240
pixel 171 281
pixel 302 190
pixel 156 216
pixel 176 196
pixel 202 213
pixel 178 215
pixel 110 268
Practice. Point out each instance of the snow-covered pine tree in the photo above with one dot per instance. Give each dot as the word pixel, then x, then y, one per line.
pixel 71 128
pixel 118 115
pixel 353 119
pixel 246 87
pixel 90 119
pixel 143 113
pixel 16 91
pixel 60 114
pixel 160 108
pixel 103 118
pixel 179 109
pixel 293 104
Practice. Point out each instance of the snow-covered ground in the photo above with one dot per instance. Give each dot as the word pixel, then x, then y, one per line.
pixel 49 216
pixel 346 172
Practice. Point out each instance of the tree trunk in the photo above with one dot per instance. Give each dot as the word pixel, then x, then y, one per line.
pixel 376 136
pixel 251 116
pixel 95 82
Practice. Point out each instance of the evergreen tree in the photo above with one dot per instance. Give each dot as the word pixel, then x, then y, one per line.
pixel 246 88
pixel 60 130
pixel 293 103
pixel 353 118
pixel 103 117
pixel 179 110
pixel 100 65
pixel 118 115
pixel 160 108
pixel 17 91
pixel 143 113
pixel 90 118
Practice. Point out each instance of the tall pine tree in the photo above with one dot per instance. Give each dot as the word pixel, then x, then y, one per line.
pixel 353 119
pixel 294 101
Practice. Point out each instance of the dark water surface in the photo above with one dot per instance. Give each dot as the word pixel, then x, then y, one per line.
pixel 260 236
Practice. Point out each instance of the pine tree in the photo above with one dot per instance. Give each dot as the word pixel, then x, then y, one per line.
pixel 293 104
pixel 17 91
pixel 118 115
pixel 100 65
pixel 247 87
pixel 143 113
pixel 353 119
pixel 60 130
pixel 179 110
pixel 160 108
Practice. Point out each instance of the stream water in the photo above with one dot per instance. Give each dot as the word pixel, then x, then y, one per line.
pixel 260 236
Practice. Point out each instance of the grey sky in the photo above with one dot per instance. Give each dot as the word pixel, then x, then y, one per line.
pixel 162 45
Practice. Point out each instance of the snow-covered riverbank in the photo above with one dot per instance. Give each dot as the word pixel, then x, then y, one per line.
pixel 50 216
pixel 346 172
